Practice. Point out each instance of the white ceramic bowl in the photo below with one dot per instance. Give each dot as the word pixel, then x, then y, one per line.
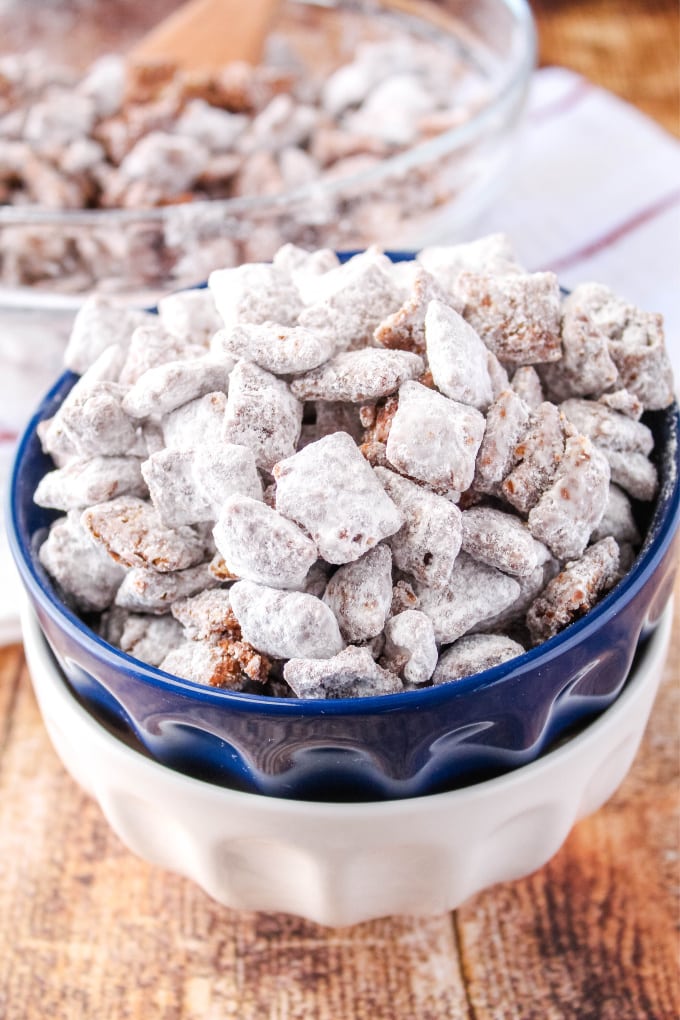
pixel 341 864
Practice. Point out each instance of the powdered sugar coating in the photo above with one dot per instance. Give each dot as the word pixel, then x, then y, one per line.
pixel 190 315
pixel 526 383
pixel 83 482
pixel 195 423
pixel 434 439
pixel 207 615
pixel 132 533
pixel 607 428
pixel 635 344
pixel 256 292
pixel 150 638
pixel 507 421
pixel 99 324
pixel 262 414
pixel 585 367
pixel 490 254
pixel 152 345
pixel 189 486
pixel 634 472
pixel 474 653
pixel 145 590
pixel 259 544
pixel 474 593
pixel 427 544
pixel 351 673
pixel 93 418
pixel 574 504
pixel 284 624
pixel 84 573
pixel 410 647
pixel 366 295
pixel 360 594
pixel 282 350
pixel 404 330
pixel 574 591
pixel 537 456
pixel 168 386
pixel 357 376
pixel 517 316
pixel 457 357
pixel 330 490
pixel 617 520
pixel 203 662
pixel 498 539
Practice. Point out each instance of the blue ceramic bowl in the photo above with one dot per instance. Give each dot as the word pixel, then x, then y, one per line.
pixel 400 745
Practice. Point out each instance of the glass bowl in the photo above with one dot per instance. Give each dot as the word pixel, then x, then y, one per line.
pixel 421 195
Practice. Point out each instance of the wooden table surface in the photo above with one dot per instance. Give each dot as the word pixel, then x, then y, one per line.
pixel 88 932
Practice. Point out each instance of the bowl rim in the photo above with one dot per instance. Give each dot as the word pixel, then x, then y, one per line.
pixel 662 528
pixel 644 673
pixel 514 79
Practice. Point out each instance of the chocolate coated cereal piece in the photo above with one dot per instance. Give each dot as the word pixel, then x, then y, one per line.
pixel 497 374
pixel 132 533
pixel 517 316
pixel 585 367
pixel 527 384
pixel 285 624
pixel 83 571
pixel 282 350
pixel 262 414
pixel 403 598
pixel 474 653
pixel 331 491
pixel 356 376
pixel 427 544
pixel 608 429
pixel 55 441
pixel 207 615
pixel 259 544
pixel 350 674
pixel 623 401
pixel 190 315
pixel 434 439
pixel 224 469
pixel 348 317
pixel 474 593
pixel 529 587
pixel 94 420
pixel 165 387
pixel 150 638
pixel 174 490
pixel 634 472
pixel 195 424
pixel 507 421
pixel 499 539
pixel 410 647
pixel 152 345
pixel 618 520
pixel 636 344
pixel 574 591
pixel 360 594
pixel 100 324
pixel 404 330
pixel 573 505
pixel 256 292
pixel 457 357
pixel 203 662
pixel 147 591
pixel 491 254
pixel 539 452
pixel 82 483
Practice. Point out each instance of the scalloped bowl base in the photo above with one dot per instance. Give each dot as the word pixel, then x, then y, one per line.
pixel 340 864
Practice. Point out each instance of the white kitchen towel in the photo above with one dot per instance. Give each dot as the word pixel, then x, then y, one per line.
pixel 593 192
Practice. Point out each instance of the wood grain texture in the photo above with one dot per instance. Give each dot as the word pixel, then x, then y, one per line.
pixel 87 932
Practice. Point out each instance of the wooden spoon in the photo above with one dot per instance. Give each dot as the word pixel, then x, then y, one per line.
pixel 207 34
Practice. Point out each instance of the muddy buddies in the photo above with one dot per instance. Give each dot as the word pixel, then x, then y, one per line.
pixel 325 480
